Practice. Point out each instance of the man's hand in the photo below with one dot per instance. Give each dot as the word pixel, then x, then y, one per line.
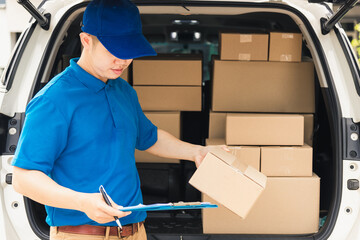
pixel 204 150
pixel 168 146
pixel 94 206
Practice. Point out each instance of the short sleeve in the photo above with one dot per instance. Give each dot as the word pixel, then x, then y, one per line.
pixel 43 137
pixel 147 131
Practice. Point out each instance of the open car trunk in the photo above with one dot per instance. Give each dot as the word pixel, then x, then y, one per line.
pixel 164 182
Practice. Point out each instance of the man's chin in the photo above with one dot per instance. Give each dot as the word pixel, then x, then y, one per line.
pixel 113 76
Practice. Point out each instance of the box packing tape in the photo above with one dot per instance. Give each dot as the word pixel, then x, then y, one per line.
pixel 244 56
pixel 287 35
pixel 245 38
pixel 285 57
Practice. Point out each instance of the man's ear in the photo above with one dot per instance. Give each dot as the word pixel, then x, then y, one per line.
pixel 86 40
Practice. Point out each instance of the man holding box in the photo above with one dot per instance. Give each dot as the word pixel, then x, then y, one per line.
pixel 82 128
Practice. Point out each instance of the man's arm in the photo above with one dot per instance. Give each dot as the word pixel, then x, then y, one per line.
pixel 39 187
pixel 169 146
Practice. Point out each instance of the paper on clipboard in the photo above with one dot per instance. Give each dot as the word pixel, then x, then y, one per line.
pixel 169 206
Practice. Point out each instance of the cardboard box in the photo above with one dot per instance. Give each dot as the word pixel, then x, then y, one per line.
pixel 276 87
pixel 165 98
pixel 223 177
pixel 217 123
pixel 246 47
pixel 308 128
pixel 287 161
pixel 168 121
pixel 285 47
pixel 125 75
pixel 249 155
pixel 289 205
pixel 181 70
pixel 264 129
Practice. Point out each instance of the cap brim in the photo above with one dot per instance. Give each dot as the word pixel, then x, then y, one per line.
pixel 127 47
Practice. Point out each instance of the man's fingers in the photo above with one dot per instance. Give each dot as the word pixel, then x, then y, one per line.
pixel 113 203
pixel 105 217
pixel 225 148
pixel 96 208
pixel 112 211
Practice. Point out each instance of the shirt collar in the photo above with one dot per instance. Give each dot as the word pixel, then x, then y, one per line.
pixel 86 78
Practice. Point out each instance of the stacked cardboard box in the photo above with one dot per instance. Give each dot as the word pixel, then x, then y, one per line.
pixel 167 85
pixel 248 47
pixel 242 86
pixel 267 105
pixel 264 129
pixel 285 47
pixel 168 121
pixel 288 205
pixel 287 161
pixel 249 155
pixel 217 122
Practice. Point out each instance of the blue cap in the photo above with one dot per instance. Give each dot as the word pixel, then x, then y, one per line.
pixel 117 25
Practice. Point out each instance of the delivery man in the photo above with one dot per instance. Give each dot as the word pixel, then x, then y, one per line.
pixel 82 128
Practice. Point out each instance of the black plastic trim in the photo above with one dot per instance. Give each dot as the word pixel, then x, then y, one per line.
pixel 331 100
pixel 322 24
pixel 31 219
pixel 353 184
pixel 16 57
pixel 15 122
pixel 329 24
pixel 11 63
pixel 39 8
pixel 42 19
pixel 8 178
pixel 352 62
pixel 351 148
pixel 4 123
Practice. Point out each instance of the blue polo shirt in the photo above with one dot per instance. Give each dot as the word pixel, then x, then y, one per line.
pixel 82 133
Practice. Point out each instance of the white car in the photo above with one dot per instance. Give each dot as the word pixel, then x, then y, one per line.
pixel 46 45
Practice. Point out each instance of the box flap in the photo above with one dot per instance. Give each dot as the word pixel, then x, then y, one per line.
pixel 229 159
pixel 256 176
pixel 248 171
pixel 226 185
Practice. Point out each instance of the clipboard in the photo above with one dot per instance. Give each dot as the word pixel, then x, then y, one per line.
pixel 169 206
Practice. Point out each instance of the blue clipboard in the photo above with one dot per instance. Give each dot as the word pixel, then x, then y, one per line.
pixel 169 206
